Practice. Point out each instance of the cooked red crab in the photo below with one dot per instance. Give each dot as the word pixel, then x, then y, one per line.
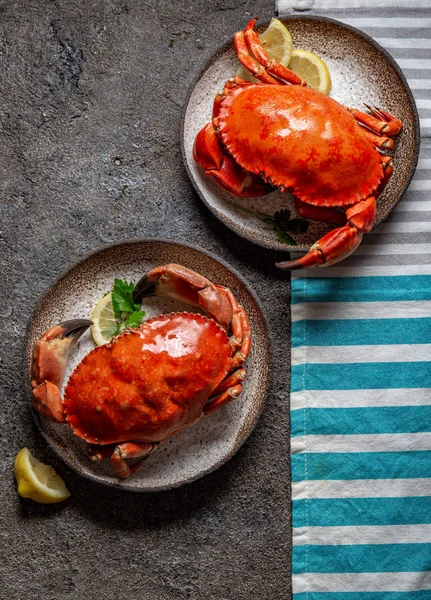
pixel 270 135
pixel 149 383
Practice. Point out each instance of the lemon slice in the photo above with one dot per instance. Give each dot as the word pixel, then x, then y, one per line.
pixel 38 481
pixel 311 68
pixel 104 322
pixel 277 41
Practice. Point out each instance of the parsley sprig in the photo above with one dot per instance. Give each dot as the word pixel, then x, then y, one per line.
pixel 282 224
pixel 127 312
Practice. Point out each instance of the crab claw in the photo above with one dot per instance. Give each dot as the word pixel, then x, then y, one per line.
pixel 339 243
pixel 176 281
pixel 223 169
pixel 50 358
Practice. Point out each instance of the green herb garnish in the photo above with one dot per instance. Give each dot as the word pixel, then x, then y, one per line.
pixel 127 312
pixel 281 222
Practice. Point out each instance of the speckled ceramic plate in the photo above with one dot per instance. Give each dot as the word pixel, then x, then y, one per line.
pixel 361 71
pixel 211 441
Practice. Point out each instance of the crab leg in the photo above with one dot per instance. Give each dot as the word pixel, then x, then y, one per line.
pixel 50 359
pixel 339 243
pixel 227 396
pixel 320 213
pixel 235 378
pixel 97 453
pixel 241 333
pixel 253 44
pixel 227 390
pixel 380 141
pixel 256 69
pixel 380 121
pixel 129 450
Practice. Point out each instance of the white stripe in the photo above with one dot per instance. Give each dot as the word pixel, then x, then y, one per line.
pixel 389 22
pixel 331 4
pixel 361 582
pixel 405 42
pixel 349 535
pixel 422 102
pixel 363 488
pixel 406 227
pixel 424 124
pixel 414 63
pixel 413 206
pixel 420 184
pixel 378 442
pixel 424 163
pixel 420 84
pixel 392 249
pixel 355 398
pixel 361 310
pixel 361 354
pixel 365 271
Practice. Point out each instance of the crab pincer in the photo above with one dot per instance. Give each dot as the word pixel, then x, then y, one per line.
pixel 338 243
pixel 51 354
pixel 150 382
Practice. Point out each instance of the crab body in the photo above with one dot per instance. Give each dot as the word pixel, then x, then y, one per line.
pixel 270 134
pixel 299 139
pixel 149 383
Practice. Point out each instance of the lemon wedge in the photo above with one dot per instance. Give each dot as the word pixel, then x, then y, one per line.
pixel 104 321
pixel 311 68
pixel 38 481
pixel 277 41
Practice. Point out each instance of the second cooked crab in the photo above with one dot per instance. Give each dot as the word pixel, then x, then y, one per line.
pixel 151 382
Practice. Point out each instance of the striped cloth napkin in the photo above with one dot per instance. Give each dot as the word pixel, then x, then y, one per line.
pixel 361 373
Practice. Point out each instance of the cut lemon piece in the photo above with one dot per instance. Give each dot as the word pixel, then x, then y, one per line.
pixel 38 481
pixel 104 321
pixel 311 68
pixel 277 41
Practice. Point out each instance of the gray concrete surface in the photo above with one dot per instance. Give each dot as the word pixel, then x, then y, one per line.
pixel 91 94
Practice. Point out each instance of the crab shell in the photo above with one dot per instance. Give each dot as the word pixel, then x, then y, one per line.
pixel 300 139
pixel 150 382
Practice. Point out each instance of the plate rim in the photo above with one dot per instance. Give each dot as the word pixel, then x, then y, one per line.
pixel 261 26
pixel 242 435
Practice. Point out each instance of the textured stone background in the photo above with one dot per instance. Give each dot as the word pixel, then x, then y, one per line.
pixel 91 95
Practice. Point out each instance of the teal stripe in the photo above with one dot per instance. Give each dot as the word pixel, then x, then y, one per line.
pixel 363 558
pixel 418 595
pixel 360 376
pixel 361 465
pixel 345 421
pixel 331 512
pixel 357 332
pixel 361 289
